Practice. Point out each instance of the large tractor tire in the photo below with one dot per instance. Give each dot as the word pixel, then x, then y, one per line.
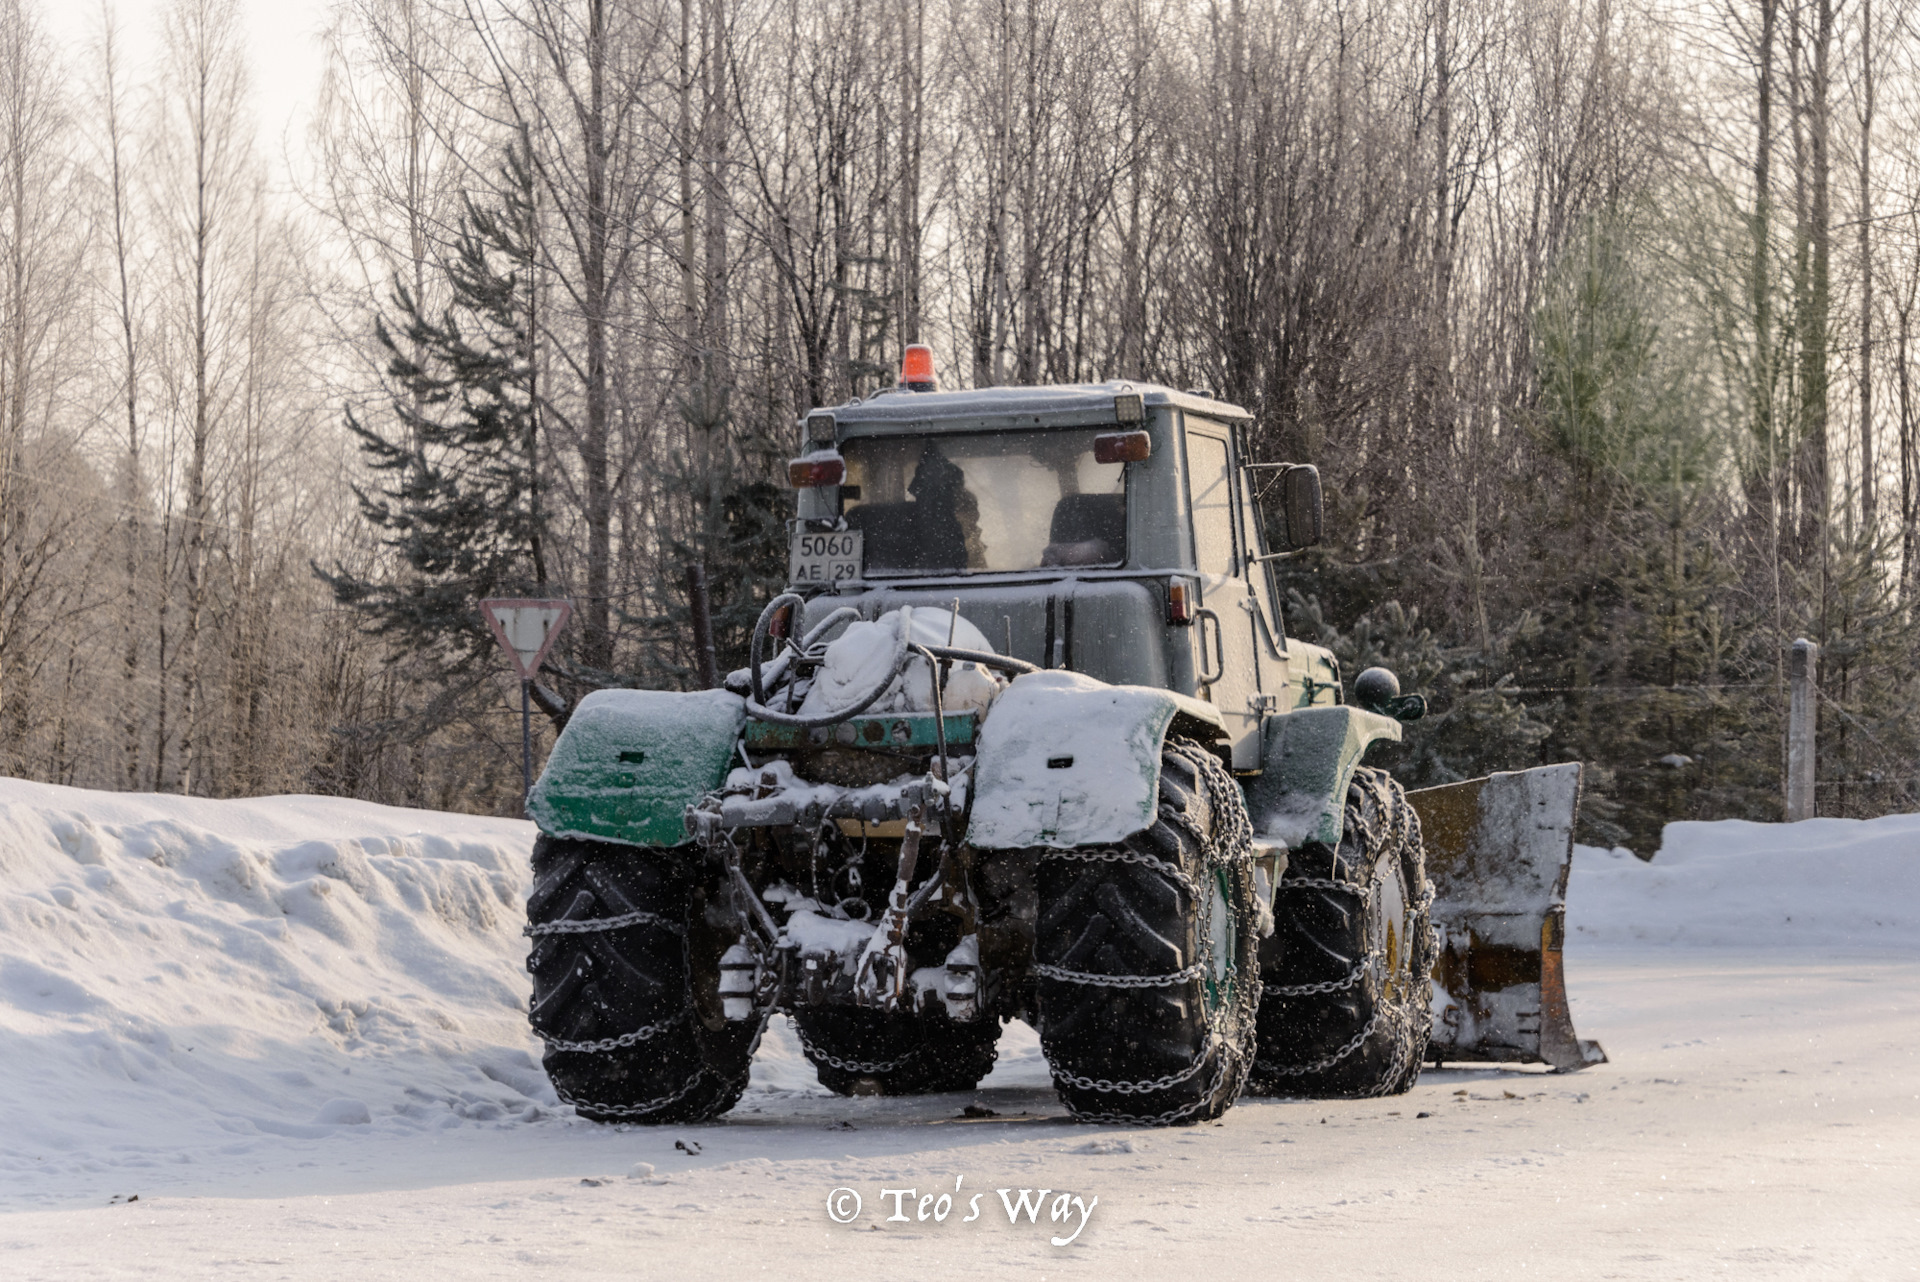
pixel 1145 957
pixel 1347 1007
pixel 856 1051
pixel 625 985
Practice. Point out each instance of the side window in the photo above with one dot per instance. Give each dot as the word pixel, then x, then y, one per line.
pixel 1260 577
pixel 1210 490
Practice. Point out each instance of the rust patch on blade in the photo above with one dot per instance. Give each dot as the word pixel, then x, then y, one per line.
pixel 1490 966
pixel 1498 852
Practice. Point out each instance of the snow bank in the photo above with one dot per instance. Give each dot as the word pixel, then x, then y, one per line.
pixel 184 980
pixel 1823 885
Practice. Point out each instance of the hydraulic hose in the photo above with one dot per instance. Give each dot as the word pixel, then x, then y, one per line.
pixel 985 658
pixel 765 623
pixel 761 627
pixel 756 706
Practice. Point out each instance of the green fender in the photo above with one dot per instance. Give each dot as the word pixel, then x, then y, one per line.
pixel 1310 754
pixel 1065 760
pixel 630 762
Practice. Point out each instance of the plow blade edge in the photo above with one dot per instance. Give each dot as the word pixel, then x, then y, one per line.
pixel 1498 852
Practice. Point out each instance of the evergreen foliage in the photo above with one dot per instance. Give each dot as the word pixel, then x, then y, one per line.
pixel 1648 659
pixel 456 498
pixel 1869 678
pixel 1644 668
pixel 1473 724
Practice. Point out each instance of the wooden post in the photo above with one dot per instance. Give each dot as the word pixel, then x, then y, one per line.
pixel 1801 719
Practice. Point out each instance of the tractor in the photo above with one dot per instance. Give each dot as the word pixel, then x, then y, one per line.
pixel 1025 739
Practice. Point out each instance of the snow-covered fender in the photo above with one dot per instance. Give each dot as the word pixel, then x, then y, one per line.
pixel 1300 794
pixel 1065 760
pixel 630 762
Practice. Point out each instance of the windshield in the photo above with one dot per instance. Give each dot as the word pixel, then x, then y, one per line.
pixel 990 502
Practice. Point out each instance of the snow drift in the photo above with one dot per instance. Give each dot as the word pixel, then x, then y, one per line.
pixel 179 976
pixel 1823 885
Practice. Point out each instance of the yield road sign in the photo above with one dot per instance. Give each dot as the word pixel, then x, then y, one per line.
pixel 526 628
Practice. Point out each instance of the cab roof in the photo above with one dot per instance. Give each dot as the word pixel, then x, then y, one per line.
pixel 1001 408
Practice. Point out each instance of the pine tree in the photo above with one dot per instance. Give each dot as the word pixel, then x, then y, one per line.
pixel 456 502
pixel 1868 680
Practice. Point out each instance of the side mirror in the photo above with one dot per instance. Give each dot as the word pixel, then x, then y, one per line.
pixel 1300 496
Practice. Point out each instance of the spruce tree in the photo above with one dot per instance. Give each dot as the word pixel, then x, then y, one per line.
pixel 455 503
pixel 1868 677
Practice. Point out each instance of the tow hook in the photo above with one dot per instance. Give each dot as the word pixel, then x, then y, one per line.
pixel 881 979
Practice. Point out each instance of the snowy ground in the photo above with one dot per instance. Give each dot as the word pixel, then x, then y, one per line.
pixel 292 1027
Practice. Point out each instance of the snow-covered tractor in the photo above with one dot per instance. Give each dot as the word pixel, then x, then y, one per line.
pixel 1025 739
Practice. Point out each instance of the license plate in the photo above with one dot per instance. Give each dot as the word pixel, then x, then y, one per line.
pixel 824 558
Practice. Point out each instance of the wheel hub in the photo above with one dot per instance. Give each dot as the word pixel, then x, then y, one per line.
pixel 1220 937
pixel 1389 927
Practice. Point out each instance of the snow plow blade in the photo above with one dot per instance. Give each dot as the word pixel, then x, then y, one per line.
pixel 1498 853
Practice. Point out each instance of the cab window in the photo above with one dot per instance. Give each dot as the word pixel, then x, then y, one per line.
pixel 1210 492
pixel 989 502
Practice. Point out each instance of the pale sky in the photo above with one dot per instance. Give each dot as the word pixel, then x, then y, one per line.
pixel 286 59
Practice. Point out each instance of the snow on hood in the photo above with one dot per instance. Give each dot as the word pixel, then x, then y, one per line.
pixel 863 653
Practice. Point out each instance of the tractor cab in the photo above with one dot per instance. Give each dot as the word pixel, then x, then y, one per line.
pixel 1108 529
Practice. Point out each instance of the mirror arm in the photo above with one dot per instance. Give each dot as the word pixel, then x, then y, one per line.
pixel 1278 556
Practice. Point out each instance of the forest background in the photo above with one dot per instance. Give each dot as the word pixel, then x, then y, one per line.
pixel 1597 317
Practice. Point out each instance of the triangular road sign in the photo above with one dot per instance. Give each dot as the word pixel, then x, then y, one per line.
pixel 526 628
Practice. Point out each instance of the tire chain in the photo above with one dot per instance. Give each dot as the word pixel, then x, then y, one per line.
pixel 1365 892
pixel 1404 825
pixel 621 1042
pixel 1065 976
pixel 1401 822
pixel 1115 856
pixel 1231 850
pixel 819 1056
pixel 1107 1087
pixel 1352 977
pixel 1321 1065
pixel 634 1110
pixel 596 924
pixel 1228 1058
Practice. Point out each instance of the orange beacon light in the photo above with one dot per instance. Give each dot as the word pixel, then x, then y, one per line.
pixel 916 369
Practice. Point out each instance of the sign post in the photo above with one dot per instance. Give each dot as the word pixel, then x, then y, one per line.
pixel 526 629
